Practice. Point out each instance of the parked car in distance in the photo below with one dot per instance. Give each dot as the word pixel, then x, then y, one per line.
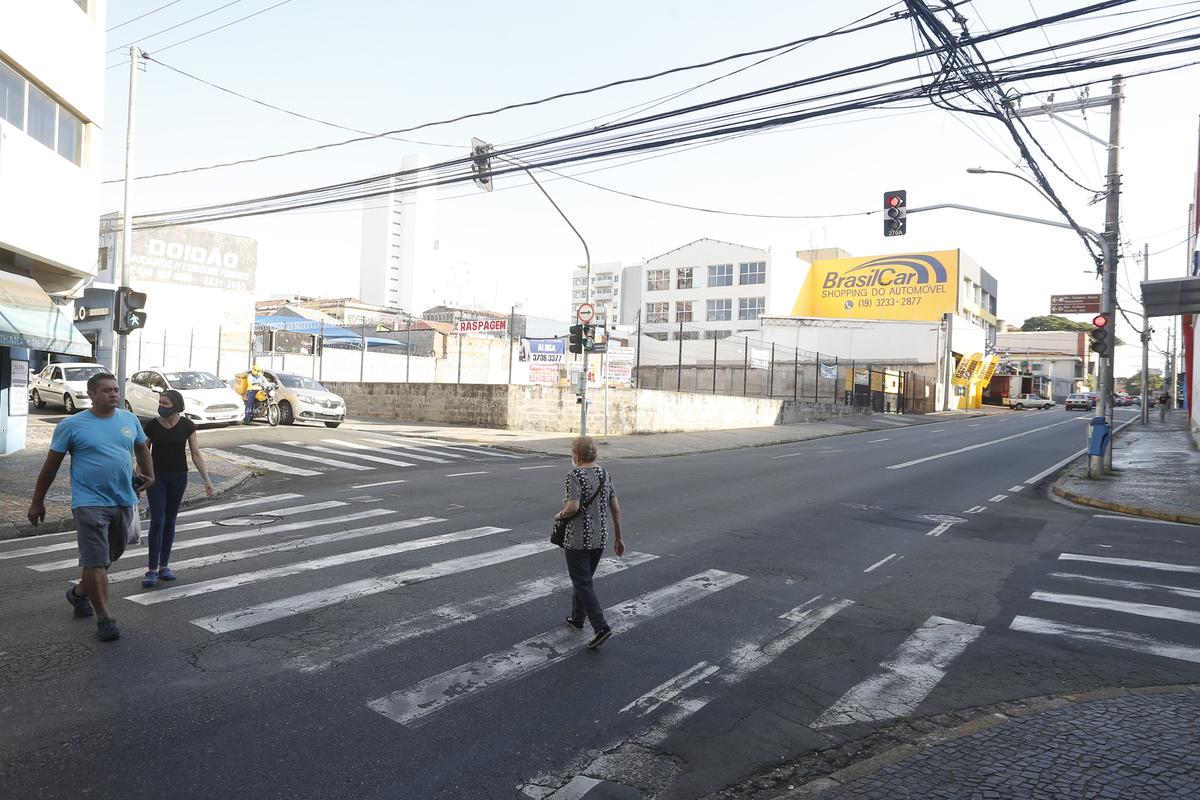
pixel 1078 402
pixel 1120 400
pixel 1135 399
pixel 206 398
pixel 302 398
pixel 64 384
pixel 1020 401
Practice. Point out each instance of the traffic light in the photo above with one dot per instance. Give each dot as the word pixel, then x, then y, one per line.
pixel 1101 334
pixel 576 341
pixel 895 209
pixel 589 337
pixel 127 313
pixel 481 163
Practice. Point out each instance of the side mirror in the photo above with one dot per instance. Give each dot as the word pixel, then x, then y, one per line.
pixel 156 389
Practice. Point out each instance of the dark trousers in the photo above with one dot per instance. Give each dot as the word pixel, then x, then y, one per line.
pixel 581 566
pixel 165 496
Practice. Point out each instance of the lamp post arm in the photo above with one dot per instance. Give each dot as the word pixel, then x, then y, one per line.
pixel 1090 234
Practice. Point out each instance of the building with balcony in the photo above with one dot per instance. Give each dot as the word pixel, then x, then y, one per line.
pixel 51 112
pixel 606 291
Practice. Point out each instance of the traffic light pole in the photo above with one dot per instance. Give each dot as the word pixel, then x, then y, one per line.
pixel 1112 216
pixel 126 228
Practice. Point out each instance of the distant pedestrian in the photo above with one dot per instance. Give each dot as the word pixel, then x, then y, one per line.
pixel 1163 402
pixel 103 442
pixel 168 433
pixel 591 505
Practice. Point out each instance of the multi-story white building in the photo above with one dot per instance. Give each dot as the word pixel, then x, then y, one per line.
pixel 398 256
pixel 708 289
pixel 51 106
pixel 606 291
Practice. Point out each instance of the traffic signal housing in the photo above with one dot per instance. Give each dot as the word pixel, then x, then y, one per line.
pixel 589 337
pixel 895 210
pixel 127 314
pixel 1101 335
pixel 575 344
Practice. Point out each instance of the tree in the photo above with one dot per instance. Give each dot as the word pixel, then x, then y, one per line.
pixel 1053 322
pixel 1133 384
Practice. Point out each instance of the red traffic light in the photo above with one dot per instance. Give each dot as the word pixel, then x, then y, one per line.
pixel 893 200
pixel 1100 320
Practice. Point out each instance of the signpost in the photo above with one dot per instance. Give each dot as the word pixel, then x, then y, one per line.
pixel 1074 304
pixel 586 313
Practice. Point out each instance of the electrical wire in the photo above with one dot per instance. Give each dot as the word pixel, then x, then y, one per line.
pixel 140 16
pixel 140 39
pixel 223 27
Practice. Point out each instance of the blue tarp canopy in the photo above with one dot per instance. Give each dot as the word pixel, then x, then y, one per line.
pixel 335 335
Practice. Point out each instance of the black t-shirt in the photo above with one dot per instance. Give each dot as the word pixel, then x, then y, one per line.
pixel 168 446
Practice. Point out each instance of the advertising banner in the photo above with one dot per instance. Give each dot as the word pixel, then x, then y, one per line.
pixel 759 359
pixel 481 326
pixel 829 371
pixel 545 358
pixel 619 366
pixel 18 388
pixel 185 256
pixel 908 286
pixel 966 369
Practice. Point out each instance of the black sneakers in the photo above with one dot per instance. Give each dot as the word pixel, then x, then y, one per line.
pixel 578 626
pixel 600 638
pixel 106 629
pixel 79 602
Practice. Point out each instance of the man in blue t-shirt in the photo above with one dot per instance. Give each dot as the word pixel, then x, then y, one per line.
pixel 102 442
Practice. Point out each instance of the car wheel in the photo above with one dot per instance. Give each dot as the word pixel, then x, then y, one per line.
pixel 286 417
pixel 1017 406
pixel 68 404
pixel 332 424
pixel 38 402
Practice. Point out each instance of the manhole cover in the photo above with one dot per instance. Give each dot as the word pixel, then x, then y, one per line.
pixel 942 519
pixel 242 522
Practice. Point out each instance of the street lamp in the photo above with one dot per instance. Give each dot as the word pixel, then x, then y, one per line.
pixel 1017 175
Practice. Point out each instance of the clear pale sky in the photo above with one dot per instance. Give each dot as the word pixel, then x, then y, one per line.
pixel 376 65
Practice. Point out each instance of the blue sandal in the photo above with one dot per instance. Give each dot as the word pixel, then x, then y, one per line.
pixel 166 574
pixel 150 579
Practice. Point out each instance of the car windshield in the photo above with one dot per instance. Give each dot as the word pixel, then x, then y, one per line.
pixel 83 373
pixel 300 382
pixel 193 380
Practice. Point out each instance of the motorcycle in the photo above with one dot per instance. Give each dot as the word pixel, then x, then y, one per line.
pixel 266 406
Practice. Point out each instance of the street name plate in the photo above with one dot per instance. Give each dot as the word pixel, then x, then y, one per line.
pixel 1074 304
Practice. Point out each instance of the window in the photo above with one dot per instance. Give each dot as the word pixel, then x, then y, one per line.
pixel 719 309
pixel 661 337
pixel 720 275
pixel 658 280
pixel 683 311
pixel 70 136
pixel 657 312
pixel 56 375
pixel 41 117
pixel 717 334
pixel 752 272
pixel 12 97
pixel 683 336
pixel 683 278
pixel 751 307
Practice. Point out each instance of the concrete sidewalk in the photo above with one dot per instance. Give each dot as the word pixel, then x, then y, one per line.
pixel 1157 473
pixel 19 471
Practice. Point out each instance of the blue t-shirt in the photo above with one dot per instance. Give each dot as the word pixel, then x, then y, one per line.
pixel 101 451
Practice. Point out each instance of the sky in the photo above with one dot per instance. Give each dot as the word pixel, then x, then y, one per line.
pixel 375 65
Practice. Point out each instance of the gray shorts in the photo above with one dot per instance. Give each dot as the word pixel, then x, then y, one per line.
pixel 103 531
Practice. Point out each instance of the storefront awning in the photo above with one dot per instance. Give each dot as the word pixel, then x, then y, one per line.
pixel 1169 297
pixel 30 319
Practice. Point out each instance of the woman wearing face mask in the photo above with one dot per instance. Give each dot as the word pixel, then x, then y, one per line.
pixel 167 435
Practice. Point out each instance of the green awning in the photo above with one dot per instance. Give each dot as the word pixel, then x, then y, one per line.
pixel 29 318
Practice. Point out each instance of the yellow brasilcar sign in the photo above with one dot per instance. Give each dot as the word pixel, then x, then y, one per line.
pixel 907 286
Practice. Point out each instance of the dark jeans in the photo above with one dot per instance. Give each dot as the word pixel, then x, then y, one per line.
pixel 165 496
pixel 581 565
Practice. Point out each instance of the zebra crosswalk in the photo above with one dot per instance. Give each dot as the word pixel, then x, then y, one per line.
pixel 355 452
pixel 1121 590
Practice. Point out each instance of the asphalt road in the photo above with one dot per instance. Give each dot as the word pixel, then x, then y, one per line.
pixel 386 631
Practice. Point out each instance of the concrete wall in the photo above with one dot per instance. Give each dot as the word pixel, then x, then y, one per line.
pixel 552 409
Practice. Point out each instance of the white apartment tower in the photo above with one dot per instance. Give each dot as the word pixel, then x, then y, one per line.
pixel 606 291
pixel 398 257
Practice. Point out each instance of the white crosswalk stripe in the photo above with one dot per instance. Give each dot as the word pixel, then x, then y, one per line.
pixel 311 601
pixel 329 462
pixel 1120 606
pixel 262 463
pixel 410 706
pixel 364 456
pixel 250 501
pixel 1123 640
pixel 465 448
pixel 906 677
pixel 410 451
pixel 1162 566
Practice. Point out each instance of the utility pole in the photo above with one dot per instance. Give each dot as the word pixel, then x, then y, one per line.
pixel 1112 212
pixel 126 224
pixel 1145 415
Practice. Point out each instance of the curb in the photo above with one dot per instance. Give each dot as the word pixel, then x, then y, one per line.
pixel 986 717
pixel 1149 513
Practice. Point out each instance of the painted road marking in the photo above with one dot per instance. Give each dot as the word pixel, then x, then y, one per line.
pixel 329 462
pixel 380 483
pixel 969 448
pixel 275 547
pixel 876 441
pixel 998 498
pixel 667 691
pixel 1120 639
pixel 388 444
pixel 372 639
pixel 311 601
pixel 401 444
pixel 789 455
pixel 937 430
pixel 940 529
pixel 880 563
pixel 906 678
pixel 226 537
pixel 262 463
pixel 542 466
pixel 1182 591
pixel 253 501
pixel 1164 566
pixel 891 421
pixel 975 510
pixel 738 664
pixel 364 456
pixel 944 522
pixel 1120 606
pixel 293 510
pixel 466 448
pixel 463 474
pixel 410 706
pixel 1017 488
pixel 313 564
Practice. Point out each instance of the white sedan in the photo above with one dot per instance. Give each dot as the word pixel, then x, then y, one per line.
pixel 64 385
pixel 206 398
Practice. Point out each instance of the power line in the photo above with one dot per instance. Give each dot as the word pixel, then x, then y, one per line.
pixel 140 16
pixel 140 39
pixel 223 27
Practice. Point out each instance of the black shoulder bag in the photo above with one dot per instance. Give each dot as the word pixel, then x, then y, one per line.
pixel 559 534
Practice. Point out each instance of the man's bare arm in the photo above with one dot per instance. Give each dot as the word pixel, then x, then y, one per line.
pixel 45 479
